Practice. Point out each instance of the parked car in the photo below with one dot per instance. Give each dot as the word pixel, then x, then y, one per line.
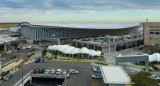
pixel 41 71
pixel 96 68
pixel 52 71
pixel 41 60
pixel 36 70
pixel 73 71
pixel 154 77
pixel 37 60
pixel 64 72
pixel 47 72
pixel 13 57
pixel 9 51
pixel 8 77
pixel 58 71
pixel 97 76
pixel 45 60
pixel 28 47
pixel 32 49
pixel 14 51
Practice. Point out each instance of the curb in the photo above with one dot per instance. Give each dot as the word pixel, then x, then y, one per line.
pixel 67 61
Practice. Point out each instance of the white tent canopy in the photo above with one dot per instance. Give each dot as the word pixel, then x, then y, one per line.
pixel 154 57
pixel 72 50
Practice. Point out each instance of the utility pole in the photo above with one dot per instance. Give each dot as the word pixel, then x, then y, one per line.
pixel 22 74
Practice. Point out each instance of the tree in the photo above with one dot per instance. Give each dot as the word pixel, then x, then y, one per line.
pixel 15 44
pixel 80 46
pixel 55 53
pixel 44 52
pixel 142 79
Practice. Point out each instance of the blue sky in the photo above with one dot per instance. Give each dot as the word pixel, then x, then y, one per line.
pixel 79 10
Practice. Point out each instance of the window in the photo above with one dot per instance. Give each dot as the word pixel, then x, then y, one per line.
pixel 157 26
pixel 151 38
pixel 151 26
pixel 157 39
pixel 157 33
pixel 151 32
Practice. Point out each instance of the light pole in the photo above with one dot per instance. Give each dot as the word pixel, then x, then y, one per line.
pixel 1 63
pixel 22 74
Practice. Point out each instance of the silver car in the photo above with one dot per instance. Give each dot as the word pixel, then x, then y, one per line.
pixel 64 72
pixel 73 71
pixel 58 71
pixel 47 72
pixel 52 71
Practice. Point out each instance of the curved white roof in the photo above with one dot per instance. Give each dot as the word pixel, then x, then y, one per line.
pixel 72 50
pixel 93 25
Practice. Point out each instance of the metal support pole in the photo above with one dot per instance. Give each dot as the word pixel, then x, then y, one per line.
pixel 109 48
pixel 22 75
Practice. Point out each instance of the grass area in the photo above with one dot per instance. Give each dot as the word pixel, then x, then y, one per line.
pixel 101 63
pixel 6 26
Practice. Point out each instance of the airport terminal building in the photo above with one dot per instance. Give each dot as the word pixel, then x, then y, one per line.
pixel 37 31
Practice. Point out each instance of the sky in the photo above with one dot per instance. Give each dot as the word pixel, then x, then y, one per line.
pixel 79 10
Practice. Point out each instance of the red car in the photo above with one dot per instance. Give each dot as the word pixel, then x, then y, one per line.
pixel 36 70
pixel 32 49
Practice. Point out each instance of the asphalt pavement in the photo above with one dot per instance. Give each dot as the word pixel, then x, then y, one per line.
pixel 84 78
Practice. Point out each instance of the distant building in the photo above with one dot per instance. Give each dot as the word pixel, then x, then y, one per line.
pixel 15 29
pixel 151 33
pixel 74 30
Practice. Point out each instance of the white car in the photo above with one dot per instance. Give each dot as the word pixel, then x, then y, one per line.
pixel 28 47
pixel 47 72
pixel 52 71
pixel 155 77
pixel 73 71
pixel 64 72
pixel 58 71
pixel 9 51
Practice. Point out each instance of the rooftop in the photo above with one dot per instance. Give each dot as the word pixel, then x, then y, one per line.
pixel 115 75
pixel 93 25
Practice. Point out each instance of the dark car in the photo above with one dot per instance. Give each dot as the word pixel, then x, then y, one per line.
pixel 36 70
pixel 41 60
pixel 13 57
pixel 37 60
pixel 8 77
pixel 32 49
pixel 41 71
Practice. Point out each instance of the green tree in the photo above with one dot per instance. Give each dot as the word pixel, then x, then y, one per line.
pixel 80 46
pixel 44 52
pixel 142 79
pixel 15 44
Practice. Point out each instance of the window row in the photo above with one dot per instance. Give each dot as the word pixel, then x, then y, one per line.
pixel 152 32
pixel 154 26
pixel 157 39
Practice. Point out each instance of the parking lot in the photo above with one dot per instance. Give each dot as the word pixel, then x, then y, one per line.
pixel 83 78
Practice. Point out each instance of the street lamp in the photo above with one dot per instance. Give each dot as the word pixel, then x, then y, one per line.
pixel 22 74
pixel 1 63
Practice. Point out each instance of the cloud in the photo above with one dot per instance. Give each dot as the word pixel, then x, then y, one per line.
pixel 89 6
pixel 47 7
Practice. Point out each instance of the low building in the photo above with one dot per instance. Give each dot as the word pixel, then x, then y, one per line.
pixel 115 76
pixel 151 33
